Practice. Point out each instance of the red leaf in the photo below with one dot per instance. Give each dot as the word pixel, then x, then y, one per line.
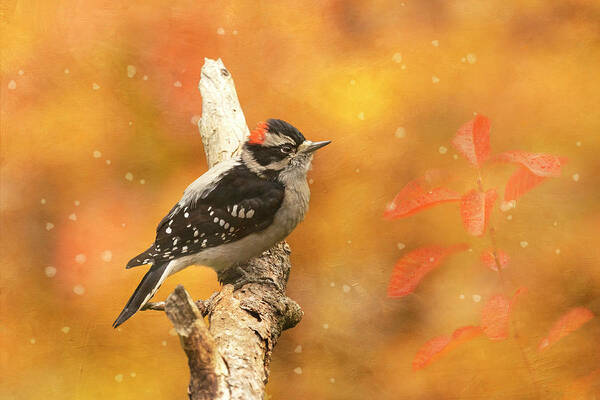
pixel 436 347
pixel 473 140
pixel 569 322
pixel 521 182
pixel 495 315
pixel 414 198
pixel 475 209
pixel 488 259
pixel 413 267
pixel 539 164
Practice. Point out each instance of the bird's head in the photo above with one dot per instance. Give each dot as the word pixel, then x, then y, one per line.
pixel 276 147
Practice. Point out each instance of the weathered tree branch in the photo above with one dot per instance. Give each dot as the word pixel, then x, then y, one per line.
pixel 231 358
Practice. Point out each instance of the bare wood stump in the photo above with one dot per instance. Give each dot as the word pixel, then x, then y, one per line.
pixel 230 359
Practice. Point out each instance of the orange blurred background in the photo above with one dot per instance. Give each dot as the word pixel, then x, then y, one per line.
pixel 98 100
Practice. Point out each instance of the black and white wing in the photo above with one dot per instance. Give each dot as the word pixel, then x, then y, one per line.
pixel 239 204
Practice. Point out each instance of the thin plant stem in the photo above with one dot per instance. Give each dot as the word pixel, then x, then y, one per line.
pixel 518 339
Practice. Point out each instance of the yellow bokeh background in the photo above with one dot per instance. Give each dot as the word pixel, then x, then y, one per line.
pixel 98 100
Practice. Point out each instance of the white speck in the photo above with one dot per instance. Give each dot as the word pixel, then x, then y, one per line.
pixel 431 259
pixel 67 70
pixel 352 82
pixel 524 244
pixel 346 288
pixel 332 380
pixel 216 220
pixel 184 249
pixel 142 181
pixel 12 85
pixel 250 213
pixel 97 154
pixel 298 370
pixel 77 203
pixel 400 133
pixel 222 222
pixel 21 72
pixel 576 177
pixel 133 374
pixel 400 246
pixel 557 251
pixel 49 226
pixel 185 215
pixel 397 58
pixel 220 31
pixel 234 211
pixel 332 284
pixel 164 342
pixel 435 79
pixel 508 205
pixel 43 201
pixel 226 225
pixel 462 297
pixel 509 217
pixel 131 71
pixel 119 378
pixel 349 242
pixel 403 66
pixel 235 32
pixel 107 162
pixel 80 258
pixel 65 329
pixel 73 217
pixel 470 250
pixel 130 123
pixel 463 60
pixel 435 43
pixel 32 340
pixel 443 150
pixel 129 176
pixel 177 84
pixel 471 58
pixel 242 213
pixel 50 271
pixel 78 289
pixel 325 326
pixel 555 223
pixel 455 156
pixel 106 256
pixel 230 229
pixel 357 170
pixel 476 298
pixel 145 77
pixel 95 86
pixel 311 181
pixel 298 349
pixel 196 233
pixel 361 116
pixel 169 230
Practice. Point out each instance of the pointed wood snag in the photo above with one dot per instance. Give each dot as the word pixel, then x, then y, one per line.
pixel 437 347
pixel 569 322
pixel 475 209
pixel 473 140
pixel 413 267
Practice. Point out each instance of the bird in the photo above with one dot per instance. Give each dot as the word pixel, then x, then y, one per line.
pixel 235 211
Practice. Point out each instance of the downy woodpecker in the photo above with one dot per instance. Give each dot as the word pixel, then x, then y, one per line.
pixel 235 211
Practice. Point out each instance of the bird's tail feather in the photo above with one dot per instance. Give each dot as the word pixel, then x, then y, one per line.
pixel 144 292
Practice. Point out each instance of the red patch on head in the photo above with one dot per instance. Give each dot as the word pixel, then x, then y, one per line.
pixel 258 134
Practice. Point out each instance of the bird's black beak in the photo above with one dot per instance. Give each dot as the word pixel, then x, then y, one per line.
pixel 308 147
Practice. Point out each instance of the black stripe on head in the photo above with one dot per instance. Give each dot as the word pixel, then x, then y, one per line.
pixel 265 155
pixel 284 128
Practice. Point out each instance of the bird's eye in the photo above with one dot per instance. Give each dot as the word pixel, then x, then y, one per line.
pixel 286 149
